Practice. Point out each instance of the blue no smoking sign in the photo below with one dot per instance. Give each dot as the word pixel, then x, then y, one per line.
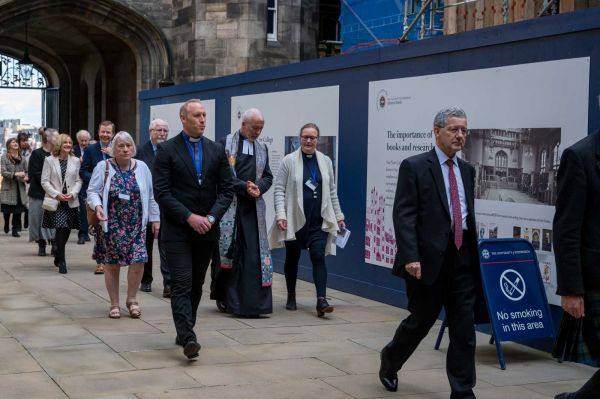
pixel 514 291
pixel 512 285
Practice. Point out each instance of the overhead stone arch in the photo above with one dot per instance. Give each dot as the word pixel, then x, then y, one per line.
pixel 76 42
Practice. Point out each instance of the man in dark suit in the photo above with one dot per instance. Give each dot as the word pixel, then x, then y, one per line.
pixel 83 140
pixel 577 246
pixel 93 154
pixel 159 131
pixel 434 223
pixel 193 187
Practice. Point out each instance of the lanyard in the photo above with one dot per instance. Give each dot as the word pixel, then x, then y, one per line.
pixel 195 150
pixel 124 175
pixel 312 168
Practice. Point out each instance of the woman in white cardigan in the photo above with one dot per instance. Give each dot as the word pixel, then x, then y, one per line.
pixel 120 191
pixel 307 214
pixel 60 180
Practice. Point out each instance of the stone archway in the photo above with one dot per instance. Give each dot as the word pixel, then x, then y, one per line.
pixel 99 53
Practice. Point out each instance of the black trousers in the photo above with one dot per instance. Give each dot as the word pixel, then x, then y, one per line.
pixel 455 290
pixel 83 223
pixel 16 221
pixel 61 238
pixel 188 262
pixel 316 244
pixel 164 268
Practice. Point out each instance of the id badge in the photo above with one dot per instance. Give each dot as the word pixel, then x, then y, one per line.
pixel 309 183
pixel 124 197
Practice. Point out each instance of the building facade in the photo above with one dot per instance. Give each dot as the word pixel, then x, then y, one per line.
pixel 100 53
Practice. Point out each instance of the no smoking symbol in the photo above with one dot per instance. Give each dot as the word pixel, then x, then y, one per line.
pixel 512 285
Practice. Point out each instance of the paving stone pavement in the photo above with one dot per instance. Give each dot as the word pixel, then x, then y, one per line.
pixel 56 341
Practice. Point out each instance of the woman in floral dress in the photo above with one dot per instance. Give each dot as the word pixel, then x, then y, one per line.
pixel 120 191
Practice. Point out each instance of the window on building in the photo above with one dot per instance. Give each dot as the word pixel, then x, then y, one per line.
pixel 543 161
pixel 272 20
pixel 555 157
pixel 501 164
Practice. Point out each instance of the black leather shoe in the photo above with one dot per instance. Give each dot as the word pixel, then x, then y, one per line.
pixel 41 248
pixel 62 267
pixel 146 287
pixel 323 307
pixel 566 395
pixel 15 233
pixel 167 291
pixel 291 302
pixel 81 240
pixel 6 228
pixel 388 378
pixel 221 306
pixel 191 349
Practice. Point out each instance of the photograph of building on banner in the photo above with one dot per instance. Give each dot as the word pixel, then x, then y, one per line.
pixel 514 165
pixel 520 119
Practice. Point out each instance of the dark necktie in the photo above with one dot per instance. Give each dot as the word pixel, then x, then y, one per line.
pixel 455 202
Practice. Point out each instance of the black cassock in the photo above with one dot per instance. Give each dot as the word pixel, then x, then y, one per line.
pixel 244 293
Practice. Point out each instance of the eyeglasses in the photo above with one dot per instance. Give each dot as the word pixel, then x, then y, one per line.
pixel 309 138
pixel 455 130
pixel 161 130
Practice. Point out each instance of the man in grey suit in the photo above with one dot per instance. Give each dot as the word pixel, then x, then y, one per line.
pixel 434 222
pixel 577 246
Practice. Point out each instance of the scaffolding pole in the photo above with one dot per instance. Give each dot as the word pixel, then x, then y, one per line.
pixel 404 36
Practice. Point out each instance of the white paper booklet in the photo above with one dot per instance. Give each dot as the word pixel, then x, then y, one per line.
pixel 342 238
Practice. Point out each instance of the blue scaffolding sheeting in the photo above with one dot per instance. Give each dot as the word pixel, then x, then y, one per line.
pixel 370 24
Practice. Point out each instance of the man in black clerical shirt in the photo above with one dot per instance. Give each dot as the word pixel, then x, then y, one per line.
pixel 192 185
pixel 243 285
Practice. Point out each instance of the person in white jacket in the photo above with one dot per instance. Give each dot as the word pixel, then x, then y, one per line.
pixel 120 191
pixel 60 180
pixel 307 214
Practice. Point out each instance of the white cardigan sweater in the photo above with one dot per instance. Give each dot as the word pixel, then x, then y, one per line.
pixel 289 204
pixel 97 193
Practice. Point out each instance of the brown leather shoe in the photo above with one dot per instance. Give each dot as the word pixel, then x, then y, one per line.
pixel 99 269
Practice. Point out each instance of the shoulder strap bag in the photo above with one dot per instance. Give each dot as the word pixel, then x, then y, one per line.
pixel 91 213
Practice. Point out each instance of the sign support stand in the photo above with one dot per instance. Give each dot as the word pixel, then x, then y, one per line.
pixel 514 293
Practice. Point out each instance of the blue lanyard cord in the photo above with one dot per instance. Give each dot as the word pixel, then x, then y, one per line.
pixel 123 175
pixel 312 168
pixel 195 150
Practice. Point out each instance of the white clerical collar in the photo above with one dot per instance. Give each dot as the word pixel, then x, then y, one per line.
pixel 247 147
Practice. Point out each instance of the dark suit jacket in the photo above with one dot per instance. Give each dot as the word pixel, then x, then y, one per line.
pixel 577 219
pixel 91 157
pixel 146 153
pixel 34 171
pixel 422 218
pixel 77 151
pixel 178 193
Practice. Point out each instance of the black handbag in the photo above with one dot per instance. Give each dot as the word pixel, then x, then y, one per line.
pixel 568 338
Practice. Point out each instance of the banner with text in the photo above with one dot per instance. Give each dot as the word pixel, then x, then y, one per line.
pixel 520 118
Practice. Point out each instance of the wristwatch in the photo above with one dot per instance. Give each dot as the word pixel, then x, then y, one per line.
pixel 211 219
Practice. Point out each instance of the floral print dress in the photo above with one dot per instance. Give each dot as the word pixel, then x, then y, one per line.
pixel 125 242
